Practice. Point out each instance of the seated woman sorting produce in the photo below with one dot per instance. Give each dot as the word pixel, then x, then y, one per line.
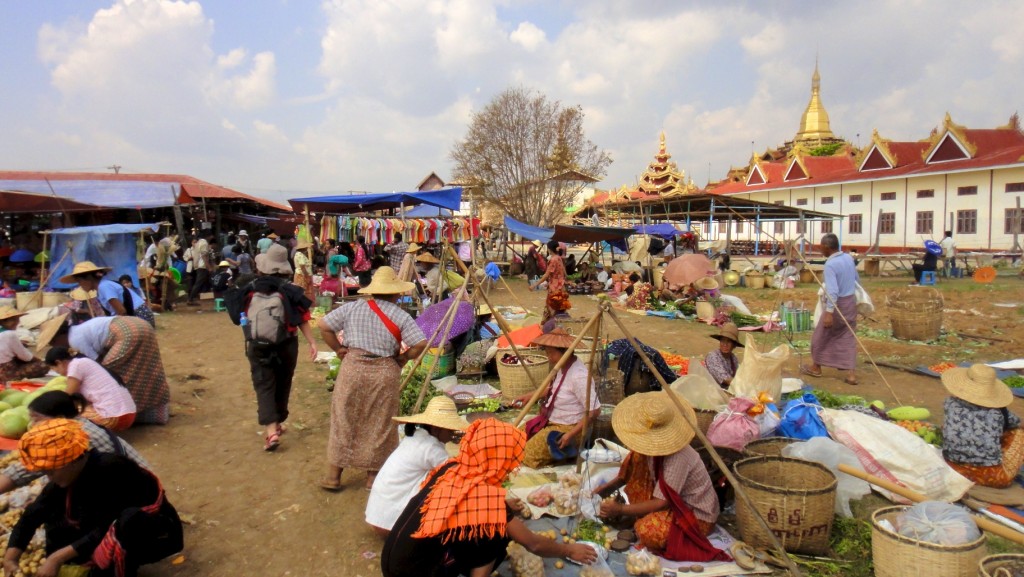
pixel 563 405
pixel 982 439
pixel 16 362
pixel 110 403
pixel 722 363
pixel 417 454
pixel 669 489
pixel 460 522
pixel 97 508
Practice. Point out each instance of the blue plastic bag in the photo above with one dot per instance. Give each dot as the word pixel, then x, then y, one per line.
pixel 802 419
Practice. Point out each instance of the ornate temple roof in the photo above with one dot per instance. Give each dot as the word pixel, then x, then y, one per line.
pixel 661 179
pixel 814 125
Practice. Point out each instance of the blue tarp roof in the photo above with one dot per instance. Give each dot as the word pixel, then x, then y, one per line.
pixel 110 245
pixel 446 198
pixel 663 229
pixel 528 231
pixel 570 234
pixel 427 211
pixel 108 193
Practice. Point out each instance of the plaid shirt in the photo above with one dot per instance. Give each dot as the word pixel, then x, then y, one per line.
pixel 365 330
pixel 99 439
pixel 396 254
pixel 686 474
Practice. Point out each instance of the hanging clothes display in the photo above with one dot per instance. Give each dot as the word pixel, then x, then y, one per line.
pixel 380 231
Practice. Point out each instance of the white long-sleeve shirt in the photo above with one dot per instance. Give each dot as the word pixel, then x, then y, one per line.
pixel 399 479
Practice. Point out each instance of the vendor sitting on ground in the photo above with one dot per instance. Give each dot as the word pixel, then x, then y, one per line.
pixel 460 522
pixel 97 508
pixel 110 404
pixel 417 454
pixel 678 292
pixel 16 361
pixel 722 363
pixel 669 489
pixel 786 275
pixel 982 439
pixel 563 403
pixel 433 279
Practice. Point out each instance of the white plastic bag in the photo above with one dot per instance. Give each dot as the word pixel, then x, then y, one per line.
pixel 939 523
pixel 767 422
pixel 702 391
pixel 642 562
pixel 830 453
pixel 760 371
pixel 895 454
pixel 865 306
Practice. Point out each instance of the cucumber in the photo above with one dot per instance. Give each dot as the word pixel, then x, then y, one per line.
pixel 909 414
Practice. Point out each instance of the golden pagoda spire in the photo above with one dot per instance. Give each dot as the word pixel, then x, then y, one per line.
pixel 814 125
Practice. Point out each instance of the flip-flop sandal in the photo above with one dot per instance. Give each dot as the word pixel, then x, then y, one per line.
pixel 273 442
pixel 743 555
pixel 329 486
pixel 282 429
pixel 852 382
pixel 805 371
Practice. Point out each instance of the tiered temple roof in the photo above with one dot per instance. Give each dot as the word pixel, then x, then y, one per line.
pixel 662 179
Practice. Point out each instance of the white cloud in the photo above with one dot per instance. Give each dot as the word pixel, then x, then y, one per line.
pixel 528 36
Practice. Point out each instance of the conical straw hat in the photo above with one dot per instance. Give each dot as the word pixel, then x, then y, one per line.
pixel 440 412
pixel 385 282
pixel 978 385
pixel 650 424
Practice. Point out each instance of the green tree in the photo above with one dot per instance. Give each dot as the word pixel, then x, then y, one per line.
pixel 525 150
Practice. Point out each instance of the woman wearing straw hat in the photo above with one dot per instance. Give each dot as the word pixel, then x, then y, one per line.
pixel 563 404
pixel 303 268
pixel 982 439
pixel 16 361
pixel 433 279
pixel 83 306
pixel 420 451
pixel 459 523
pixel 366 393
pixel 114 298
pixel 722 362
pixel 534 263
pixel 669 489
pixel 558 298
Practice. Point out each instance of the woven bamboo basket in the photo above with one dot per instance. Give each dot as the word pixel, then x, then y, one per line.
pixel 915 313
pixel 611 388
pixel 514 380
pixel 795 497
pixel 897 556
pixel 705 418
pixel 767 447
pixel 1004 565
pixel 603 424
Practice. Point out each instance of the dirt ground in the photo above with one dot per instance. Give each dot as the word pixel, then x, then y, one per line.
pixel 251 512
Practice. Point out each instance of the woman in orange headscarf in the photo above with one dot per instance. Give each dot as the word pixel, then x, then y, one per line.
pixel 459 522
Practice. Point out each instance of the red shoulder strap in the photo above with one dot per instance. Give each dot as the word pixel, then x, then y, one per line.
pixel 391 326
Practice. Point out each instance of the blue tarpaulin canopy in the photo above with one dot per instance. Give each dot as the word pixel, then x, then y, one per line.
pixel 664 229
pixel 450 198
pixel 528 231
pixel 111 245
pixel 106 193
pixel 427 211
pixel 570 234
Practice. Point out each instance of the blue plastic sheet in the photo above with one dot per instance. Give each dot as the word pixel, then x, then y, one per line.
pixel 111 245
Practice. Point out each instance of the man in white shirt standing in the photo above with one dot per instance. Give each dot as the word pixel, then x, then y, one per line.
pixel 948 252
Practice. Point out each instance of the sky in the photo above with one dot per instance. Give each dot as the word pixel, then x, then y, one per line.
pixel 288 98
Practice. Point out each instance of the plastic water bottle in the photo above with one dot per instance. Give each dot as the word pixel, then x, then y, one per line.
pixel 243 320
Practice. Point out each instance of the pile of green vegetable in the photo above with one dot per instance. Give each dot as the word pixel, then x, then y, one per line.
pixel 411 392
pixel 1014 381
pixel 742 320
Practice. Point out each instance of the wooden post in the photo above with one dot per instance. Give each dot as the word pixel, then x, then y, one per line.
pixel 586 405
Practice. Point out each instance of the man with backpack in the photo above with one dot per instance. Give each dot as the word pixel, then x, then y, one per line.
pixel 271 312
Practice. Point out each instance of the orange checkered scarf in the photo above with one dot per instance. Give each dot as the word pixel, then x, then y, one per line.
pixel 468 501
pixel 53 444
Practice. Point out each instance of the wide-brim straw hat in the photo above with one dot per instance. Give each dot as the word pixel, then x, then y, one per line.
pixel 49 329
pixel 557 338
pixel 10 313
pixel 729 331
pixel 80 294
pixel 413 248
pixel 427 257
pixel 707 283
pixel 538 243
pixel 273 236
pixel 440 412
pixel 650 424
pixel 386 282
pixel 223 263
pixel 978 385
pixel 483 310
pixel 274 261
pixel 84 267
pixel 303 244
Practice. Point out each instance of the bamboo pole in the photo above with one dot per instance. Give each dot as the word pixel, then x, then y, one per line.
pixel 419 358
pixel 791 566
pixel 586 413
pixel 450 316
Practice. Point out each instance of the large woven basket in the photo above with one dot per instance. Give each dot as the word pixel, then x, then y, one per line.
pixel 603 424
pixel 795 497
pixel 1004 565
pixel 514 380
pixel 611 389
pixel 767 447
pixel 897 556
pixel 915 313
pixel 704 418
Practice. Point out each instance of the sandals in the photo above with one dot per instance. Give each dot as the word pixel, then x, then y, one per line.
pixel 273 442
pixel 330 486
pixel 804 370
pixel 743 555
pixel 851 381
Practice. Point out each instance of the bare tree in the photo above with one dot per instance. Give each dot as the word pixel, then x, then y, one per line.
pixel 530 154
